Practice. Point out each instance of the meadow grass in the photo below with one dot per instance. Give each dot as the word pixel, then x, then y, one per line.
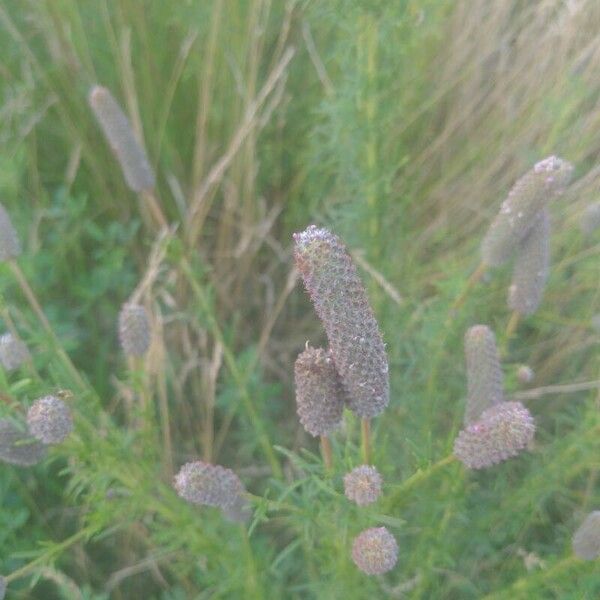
pixel 401 126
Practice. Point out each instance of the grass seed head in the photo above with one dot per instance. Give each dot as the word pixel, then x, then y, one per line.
pixel 586 541
pixel 120 136
pixel 319 393
pixel 341 302
pixel 485 384
pixel 531 268
pixel 375 551
pixel 49 420
pixel 503 431
pixel 525 201
pixel 134 329
pixel 13 352
pixel 202 483
pixel 363 485
pixel 10 246
pixel 19 448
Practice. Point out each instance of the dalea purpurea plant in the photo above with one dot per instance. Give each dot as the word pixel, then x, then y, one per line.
pixel 336 386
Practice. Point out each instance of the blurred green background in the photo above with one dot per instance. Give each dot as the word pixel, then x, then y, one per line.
pixel 401 126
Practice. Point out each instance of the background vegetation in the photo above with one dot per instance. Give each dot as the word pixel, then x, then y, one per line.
pixel 400 125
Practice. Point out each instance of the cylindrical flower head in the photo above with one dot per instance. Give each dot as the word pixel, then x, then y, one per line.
pixel 526 199
pixel 363 485
pixel 375 551
pixel 503 431
pixel 49 420
pixel 10 246
pixel 19 448
pixel 118 131
pixel 586 541
pixel 525 374
pixel 341 303
pixel 319 393
pixel 13 352
pixel 134 329
pixel 202 483
pixel 590 218
pixel 531 269
pixel 485 386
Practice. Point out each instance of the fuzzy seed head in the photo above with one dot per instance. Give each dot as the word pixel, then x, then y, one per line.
pixel 341 302
pixel 525 374
pixel 590 218
pixel 120 136
pixel 485 386
pixel 202 483
pixel 134 329
pixel 49 420
pixel 319 393
pixel 13 352
pixel 531 269
pixel 503 431
pixel 586 541
pixel 19 448
pixel 10 246
pixel 363 485
pixel 525 201
pixel 375 551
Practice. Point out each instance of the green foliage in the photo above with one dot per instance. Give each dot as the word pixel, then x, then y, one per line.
pixel 401 126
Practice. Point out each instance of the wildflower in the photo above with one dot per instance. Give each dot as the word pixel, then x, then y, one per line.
pixel 118 132
pixel 503 431
pixel 484 373
pixel 49 420
pixel 10 246
pixel 319 393
pixel 19 448
pixel 531 268
pixel 134 329
pixel 375 551
pixel 202 483
pixel 363 485
pixel 525 201
pixel 341 303
pixel 13 352
pixel 586 541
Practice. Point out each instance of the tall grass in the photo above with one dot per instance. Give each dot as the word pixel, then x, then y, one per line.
pixel 400 125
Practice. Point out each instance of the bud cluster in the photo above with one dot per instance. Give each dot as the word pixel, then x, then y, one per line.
pixel 363 485
pixel 19 448
pixel 13 352
pixel 49 420
pixel 134 329
pixel 375 551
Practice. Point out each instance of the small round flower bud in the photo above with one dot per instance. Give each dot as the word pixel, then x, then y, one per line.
pixel 525 374
pixel 485 386
pixel 363 485
pixel 10 246
pixel 590 219
pixel 134 329
pixel 503 431
pixel 19 448
pixel 49 420
pixel 202 483
pixel 341 302
pixel 527 198
pixel 319 393
pixel 13 352
pixel 531 269
pixel 375 551
pixel 586 541
pixel 118 132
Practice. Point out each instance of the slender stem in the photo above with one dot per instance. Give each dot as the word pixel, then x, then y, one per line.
pixel 418 477
pixel 365 428
pixel 511 327
pixel 326 452
pixel 566 388
pixel 149 198
pixel 53 551
pixel 39 313
pixel 234 370
pixel 471 282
